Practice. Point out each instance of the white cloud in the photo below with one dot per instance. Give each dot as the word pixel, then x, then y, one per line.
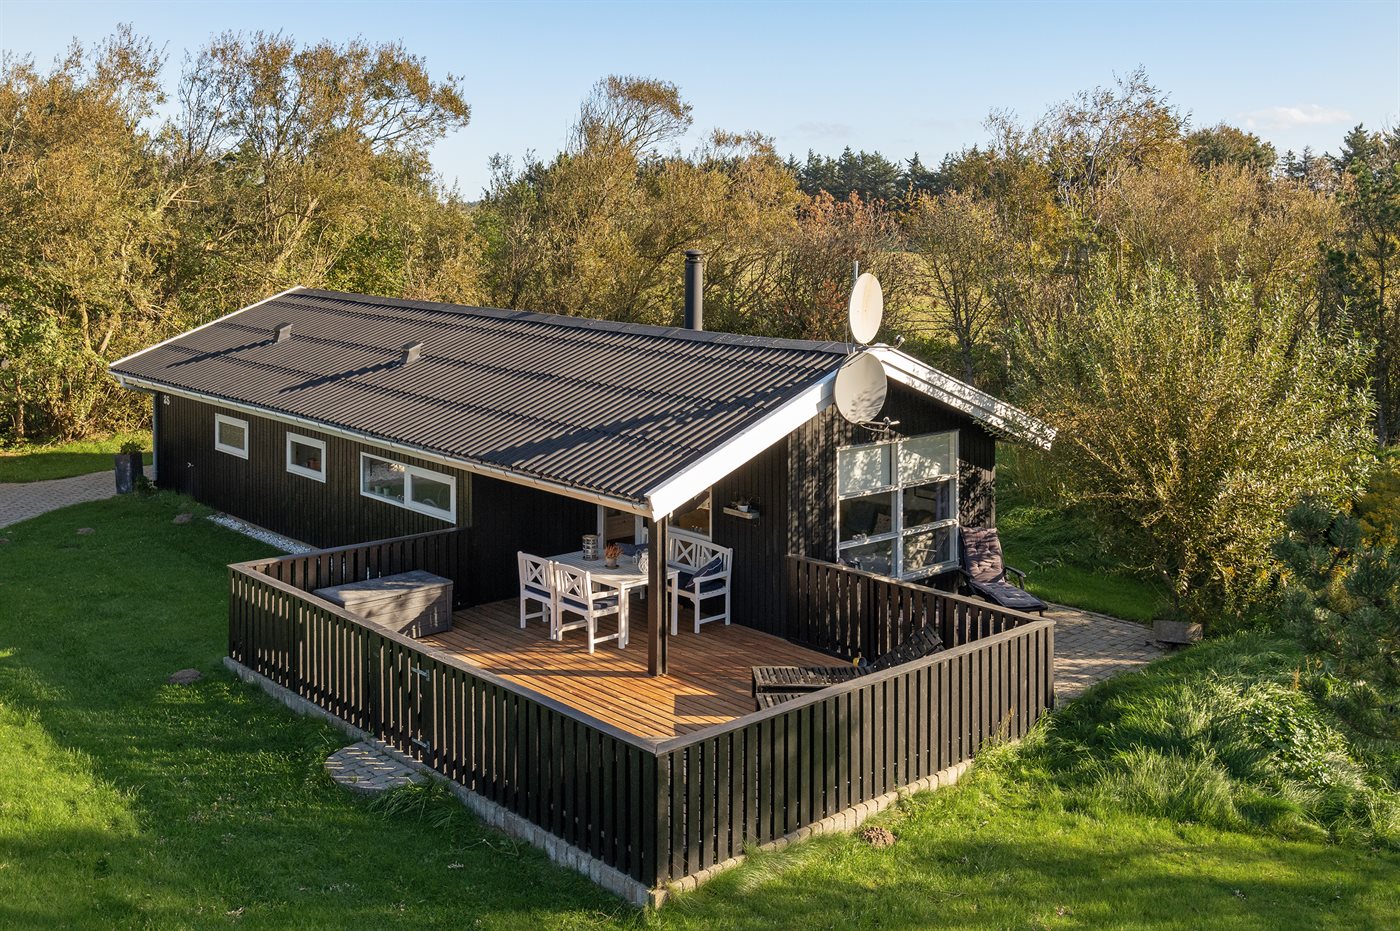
pixel 1308 114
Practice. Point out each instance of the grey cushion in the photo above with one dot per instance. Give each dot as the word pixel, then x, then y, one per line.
pixel 1008 595
pixel 981 555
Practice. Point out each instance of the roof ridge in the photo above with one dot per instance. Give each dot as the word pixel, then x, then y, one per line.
pixel 590 323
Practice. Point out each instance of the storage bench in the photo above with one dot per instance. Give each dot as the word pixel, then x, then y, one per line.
pixel 414 603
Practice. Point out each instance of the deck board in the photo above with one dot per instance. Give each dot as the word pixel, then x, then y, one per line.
pixel 709 681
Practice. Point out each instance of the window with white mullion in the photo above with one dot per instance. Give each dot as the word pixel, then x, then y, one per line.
pixel 897 505
pixel 411 487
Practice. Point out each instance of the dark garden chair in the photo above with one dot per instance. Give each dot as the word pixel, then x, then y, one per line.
pixel 984 572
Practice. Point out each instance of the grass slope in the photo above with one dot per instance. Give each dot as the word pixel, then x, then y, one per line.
pixel 62 460
pixel 127 802
pixel 1064 563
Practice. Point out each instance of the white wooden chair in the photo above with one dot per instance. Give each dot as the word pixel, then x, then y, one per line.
pixel 574 594
pixel 703 574
pixel 537 585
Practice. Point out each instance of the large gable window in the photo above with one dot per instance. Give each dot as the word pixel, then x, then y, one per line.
pixel 407 486
pixel 897 509
pixel 231 435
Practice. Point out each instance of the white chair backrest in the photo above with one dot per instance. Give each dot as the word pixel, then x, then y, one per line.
pixel 692 552
pixel 573 584
pixel 534 572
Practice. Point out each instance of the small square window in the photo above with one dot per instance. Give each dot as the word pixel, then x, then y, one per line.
pixel 231 435
pixel 306 457
pixel 432 493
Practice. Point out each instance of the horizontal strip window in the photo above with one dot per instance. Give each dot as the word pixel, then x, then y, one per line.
pixel 411 487
pixel 231 435
pixel 306 456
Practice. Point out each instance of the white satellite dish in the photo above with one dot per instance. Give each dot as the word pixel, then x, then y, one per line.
pixel 867 309
pixel 860 388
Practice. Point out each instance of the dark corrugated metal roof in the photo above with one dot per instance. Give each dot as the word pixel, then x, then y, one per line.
pixel 609 408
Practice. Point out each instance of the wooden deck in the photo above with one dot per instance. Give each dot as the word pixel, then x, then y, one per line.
pixel 710 680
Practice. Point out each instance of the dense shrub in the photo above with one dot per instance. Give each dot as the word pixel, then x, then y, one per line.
pixel 1229 735
pixel 1378 509
pixel 1189 424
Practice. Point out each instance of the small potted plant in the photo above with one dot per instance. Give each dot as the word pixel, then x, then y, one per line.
pixel 611 552
pixel 743 504
pixel 127 465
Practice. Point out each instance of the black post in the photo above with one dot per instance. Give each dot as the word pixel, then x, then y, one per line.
pixel 694 289
pixel 658 598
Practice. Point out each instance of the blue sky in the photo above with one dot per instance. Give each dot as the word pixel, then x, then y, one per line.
pixel 898 77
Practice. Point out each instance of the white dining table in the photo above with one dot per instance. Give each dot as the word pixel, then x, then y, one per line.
pixel 626 578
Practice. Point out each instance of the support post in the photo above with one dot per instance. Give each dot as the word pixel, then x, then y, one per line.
pixel 658 599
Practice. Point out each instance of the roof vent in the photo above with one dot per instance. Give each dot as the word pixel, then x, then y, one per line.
pixel 411 353
pixel 284 332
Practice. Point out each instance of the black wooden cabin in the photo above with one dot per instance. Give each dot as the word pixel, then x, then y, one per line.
pixel 533 429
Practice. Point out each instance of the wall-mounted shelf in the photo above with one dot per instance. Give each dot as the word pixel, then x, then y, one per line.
pixel 746 515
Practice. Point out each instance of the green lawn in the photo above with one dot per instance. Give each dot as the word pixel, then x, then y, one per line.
pixel 61 460
pixel 1064 563
pixel 128 802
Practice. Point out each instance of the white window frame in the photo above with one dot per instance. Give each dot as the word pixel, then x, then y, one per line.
pixel 295 469
pixel 898 531
pixel 222 420
pixel 410 471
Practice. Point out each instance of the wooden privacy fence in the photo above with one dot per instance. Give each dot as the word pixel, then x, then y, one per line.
pixel 653 810
pixel 849 613
pixel 588 783
pixel 765 775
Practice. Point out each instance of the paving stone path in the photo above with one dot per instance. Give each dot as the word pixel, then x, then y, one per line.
pixel 1091 647
pixel 365 768
pixel 23 500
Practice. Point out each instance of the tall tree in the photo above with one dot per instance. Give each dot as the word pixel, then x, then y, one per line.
pixel 294 151
pixel 1364 265
pixel 1223 144
pixel 83 225
pixel 956 236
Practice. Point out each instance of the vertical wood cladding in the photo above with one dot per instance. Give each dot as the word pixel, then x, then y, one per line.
pixel 760 545
pixel 259 489
pixel 812 467
pixel 505 517
pixel 509 518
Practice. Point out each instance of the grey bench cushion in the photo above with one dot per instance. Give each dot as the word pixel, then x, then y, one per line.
pixel 414 603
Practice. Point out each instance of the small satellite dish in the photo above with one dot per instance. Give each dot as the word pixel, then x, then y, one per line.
pixel 867 308
pixel 860 388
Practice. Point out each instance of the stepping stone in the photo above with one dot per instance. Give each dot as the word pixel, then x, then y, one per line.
pixel 85 531
pixel 183 518
pixel 365 769
pixel 185 677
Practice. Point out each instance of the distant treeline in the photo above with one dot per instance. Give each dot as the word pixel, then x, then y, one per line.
pixel 288 164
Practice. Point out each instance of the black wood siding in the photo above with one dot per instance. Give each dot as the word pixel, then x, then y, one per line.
pixel 505 517
pixel 812 467
pixel 760 546
pixel 508 518
pixel 259 489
